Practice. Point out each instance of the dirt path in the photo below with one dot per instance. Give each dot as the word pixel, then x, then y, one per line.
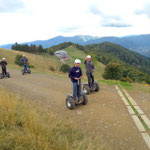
pixel 143 100
pixel 105 117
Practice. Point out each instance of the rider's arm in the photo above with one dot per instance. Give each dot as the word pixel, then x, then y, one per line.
pixel 71 74
pixel 93 67
pixel 81 75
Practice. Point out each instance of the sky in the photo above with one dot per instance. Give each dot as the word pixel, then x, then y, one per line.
pixel 30 20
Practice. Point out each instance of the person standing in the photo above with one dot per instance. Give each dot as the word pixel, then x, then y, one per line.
pixel 24 61
pixel 3 64
pixel 75 74
pixel 89 70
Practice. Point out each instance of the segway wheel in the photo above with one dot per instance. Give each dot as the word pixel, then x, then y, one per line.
pixel 70 103
pixel 8 75
pixel 23 72
pixel 86 89
pixel 85 99
pixel 97 87
pixel 29 71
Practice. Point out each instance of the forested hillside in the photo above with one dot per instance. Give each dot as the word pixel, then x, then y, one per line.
pixel 108 52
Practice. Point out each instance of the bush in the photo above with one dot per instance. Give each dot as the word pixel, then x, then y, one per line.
pixel 51 68
pixel 113 71
pixel 65 68
pixel 51 52
pixel 17 60
pixel 30 66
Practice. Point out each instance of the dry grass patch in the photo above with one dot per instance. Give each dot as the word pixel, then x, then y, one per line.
pixel 26 126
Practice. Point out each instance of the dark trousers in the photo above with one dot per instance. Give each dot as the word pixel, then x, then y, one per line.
pixel 90 79
pixel 25 67
pixel 4 71
pixel 76 89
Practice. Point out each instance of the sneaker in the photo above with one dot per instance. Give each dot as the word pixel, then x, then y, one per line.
pixel 80 99
pixel 76 101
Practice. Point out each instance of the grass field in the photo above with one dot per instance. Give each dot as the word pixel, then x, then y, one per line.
pixel 26 126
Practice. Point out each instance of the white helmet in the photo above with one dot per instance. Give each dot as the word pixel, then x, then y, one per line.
pixel 88 56
pixel 3 58
pixel 23 55
pixel 77 61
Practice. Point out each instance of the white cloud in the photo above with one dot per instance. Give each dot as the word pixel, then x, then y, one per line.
pixel 10 6
pixel 44 19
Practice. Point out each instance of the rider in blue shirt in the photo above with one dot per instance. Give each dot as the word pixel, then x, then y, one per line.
pixel 75 74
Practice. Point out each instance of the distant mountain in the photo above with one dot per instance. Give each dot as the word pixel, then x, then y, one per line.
pixel 57 40
pixel 139 43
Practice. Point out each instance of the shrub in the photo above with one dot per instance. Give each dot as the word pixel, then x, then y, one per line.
pixel 30 66
pixel 17 60
pixel 65 68
pixel 51 52
pixel 51 68
pixel 113 71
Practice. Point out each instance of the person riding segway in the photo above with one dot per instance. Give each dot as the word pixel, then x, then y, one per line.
pixel 92 84
pixel 24 61
pixel 4 73
pixel 78 97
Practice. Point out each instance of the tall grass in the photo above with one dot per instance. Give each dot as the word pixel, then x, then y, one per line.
pixel 25 126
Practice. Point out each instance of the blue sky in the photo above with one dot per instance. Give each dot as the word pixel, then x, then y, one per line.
pixel 29 20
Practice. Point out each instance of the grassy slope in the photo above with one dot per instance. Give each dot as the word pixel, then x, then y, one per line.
pixel 26 126
pixel 43 62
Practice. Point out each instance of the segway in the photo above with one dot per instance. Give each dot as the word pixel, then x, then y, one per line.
pixel 5 76
pixel 70 102
pixel 28 71
pixel 95 88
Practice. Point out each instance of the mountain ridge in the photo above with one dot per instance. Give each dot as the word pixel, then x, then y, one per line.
pixel 137 43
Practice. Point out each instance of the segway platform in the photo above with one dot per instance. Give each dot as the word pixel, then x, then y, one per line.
pixel 28 71
pixel 5 76
pixel 70 102
pixel 88 90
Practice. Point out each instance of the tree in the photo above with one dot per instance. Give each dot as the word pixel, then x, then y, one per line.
pixel 40 48
pixel 18 60
pixel 113 71
pixel 65 68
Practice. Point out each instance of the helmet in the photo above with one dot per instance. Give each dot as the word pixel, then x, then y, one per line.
pixel 77 61
pixel 23 55
pixel 3 58
pixel 88 56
